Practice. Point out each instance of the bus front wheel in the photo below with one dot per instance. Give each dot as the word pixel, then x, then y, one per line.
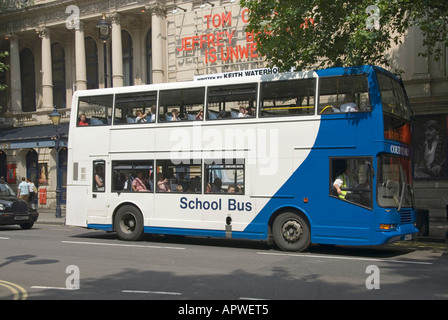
pixel 291 232
pixel 129 223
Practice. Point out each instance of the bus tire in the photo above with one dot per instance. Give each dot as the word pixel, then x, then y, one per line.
pixel 128 223
pixel 291 232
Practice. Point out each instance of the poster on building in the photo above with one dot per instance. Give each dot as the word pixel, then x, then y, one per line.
pixel 11 173
pixel 430 147
pixel 43 173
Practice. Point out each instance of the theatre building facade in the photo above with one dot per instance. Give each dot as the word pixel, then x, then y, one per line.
pixel 58 47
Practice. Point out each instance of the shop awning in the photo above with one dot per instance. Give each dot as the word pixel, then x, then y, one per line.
pixel 33 137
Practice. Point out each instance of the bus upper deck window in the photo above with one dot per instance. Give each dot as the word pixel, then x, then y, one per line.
pixel 181 104
pixel 134 108
pixel 95 110
pixel 232 101
pixel 344 94
pixel 287 98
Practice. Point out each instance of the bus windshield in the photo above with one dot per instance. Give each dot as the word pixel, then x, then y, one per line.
pixel 396 110
pixel 394 182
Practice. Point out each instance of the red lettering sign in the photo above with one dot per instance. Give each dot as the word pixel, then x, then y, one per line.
pixel 220 45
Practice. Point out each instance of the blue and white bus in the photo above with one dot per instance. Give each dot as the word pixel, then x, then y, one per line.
pixel 296 158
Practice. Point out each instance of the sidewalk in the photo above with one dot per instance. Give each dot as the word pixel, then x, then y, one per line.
pixel 48 216
pixel 437 227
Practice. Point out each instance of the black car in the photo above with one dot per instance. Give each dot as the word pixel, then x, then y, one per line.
pixel 14 210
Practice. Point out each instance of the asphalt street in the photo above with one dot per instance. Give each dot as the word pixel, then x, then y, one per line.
pixel 69 263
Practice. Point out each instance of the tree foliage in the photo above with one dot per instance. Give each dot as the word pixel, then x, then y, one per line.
pixel 321 33
pixel 3 68
pixel 11 5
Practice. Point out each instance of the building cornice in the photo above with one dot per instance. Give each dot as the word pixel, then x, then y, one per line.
pixel 54 13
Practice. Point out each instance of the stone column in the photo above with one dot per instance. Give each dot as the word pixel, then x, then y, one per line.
pixel 47 73
pixel 157 19
pixel 138 54
pixel 80 56
pixel 16 84
pixel 117 52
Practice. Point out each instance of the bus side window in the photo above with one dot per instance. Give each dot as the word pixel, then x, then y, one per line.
pixel 99 178
pixel 178 177
pixel 232 101
pixel 133 108
pixel 344 94
pixel 133 176
pixel 287 98
pixel 225 176
pixel 95 110
pixel 351 180
pixel 181 105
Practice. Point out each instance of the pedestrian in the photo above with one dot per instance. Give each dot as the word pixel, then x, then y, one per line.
pixel 23 191
pixel 33 190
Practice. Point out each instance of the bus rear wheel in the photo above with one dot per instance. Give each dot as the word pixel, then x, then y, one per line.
pixel 128 223
pixel 291 232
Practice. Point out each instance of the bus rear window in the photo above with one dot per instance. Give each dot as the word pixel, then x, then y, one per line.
pixel 344 94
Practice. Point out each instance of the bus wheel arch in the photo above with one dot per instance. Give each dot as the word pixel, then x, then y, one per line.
pixel 290 230
pixel 128 222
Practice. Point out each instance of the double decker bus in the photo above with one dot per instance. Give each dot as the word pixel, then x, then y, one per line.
pixel 295 158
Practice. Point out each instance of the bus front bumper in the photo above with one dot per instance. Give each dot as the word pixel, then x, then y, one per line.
pixel 404 232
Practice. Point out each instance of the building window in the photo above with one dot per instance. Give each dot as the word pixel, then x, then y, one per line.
pixel 3 166
pixel 62 175
pixel 149 57
pixel 28 80
pixel 91 63
pixel 126 41
pixel 58 60
pixel 31 165
pixel 3 82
